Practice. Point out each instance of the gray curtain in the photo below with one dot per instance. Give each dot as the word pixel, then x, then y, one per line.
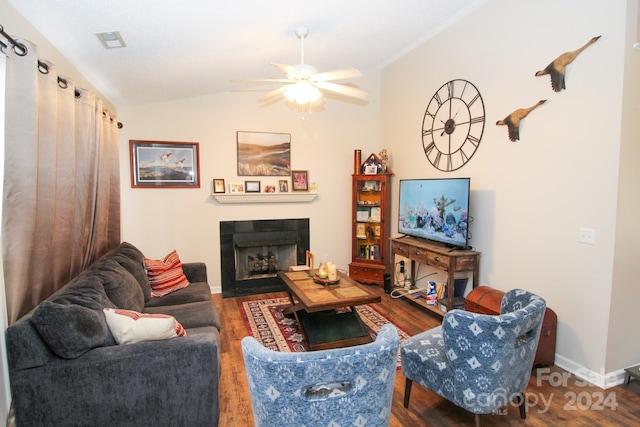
pixel 61 181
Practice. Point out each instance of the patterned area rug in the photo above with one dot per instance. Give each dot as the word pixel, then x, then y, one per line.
pixel 266 323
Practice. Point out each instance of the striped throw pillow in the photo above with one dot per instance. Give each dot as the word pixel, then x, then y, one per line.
pixel 129 326
pixel 165 275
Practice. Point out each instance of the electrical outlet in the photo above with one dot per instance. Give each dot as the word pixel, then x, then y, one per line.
pixel 588 236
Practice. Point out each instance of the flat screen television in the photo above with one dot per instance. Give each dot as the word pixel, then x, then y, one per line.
pixel 435 209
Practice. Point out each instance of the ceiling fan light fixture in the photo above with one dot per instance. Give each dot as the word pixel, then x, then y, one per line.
pixel 302 93
pixel 303 83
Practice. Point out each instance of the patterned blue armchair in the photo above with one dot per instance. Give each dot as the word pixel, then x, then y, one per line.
pixel 350 386
pixel 477 361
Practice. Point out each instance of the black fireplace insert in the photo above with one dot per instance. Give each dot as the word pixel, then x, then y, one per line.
pixel 252 252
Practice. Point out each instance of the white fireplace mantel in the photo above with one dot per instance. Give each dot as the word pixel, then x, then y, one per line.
pixel 293 197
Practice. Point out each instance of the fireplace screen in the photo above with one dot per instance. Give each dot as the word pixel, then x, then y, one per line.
pixel 256 260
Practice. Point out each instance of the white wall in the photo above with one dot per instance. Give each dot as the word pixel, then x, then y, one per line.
pixel 159 220
pixel 530 198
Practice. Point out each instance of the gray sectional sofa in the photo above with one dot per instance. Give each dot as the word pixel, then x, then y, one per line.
pixel 67 370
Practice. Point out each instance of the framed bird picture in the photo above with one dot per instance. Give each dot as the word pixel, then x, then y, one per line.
pixel 158 164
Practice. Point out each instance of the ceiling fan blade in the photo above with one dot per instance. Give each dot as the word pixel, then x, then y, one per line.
pixel 289 70
pixel 350 91
pixel 274 93
pixel 347 73
pixel 261 80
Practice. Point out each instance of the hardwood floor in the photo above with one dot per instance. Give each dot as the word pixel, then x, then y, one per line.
pixel 554 397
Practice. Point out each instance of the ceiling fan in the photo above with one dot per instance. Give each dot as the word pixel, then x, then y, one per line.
pixel 303 82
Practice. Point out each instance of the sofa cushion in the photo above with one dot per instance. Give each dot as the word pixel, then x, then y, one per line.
pixel 191 315
pixel 70 330
pixel 132 259
pixel 120 285
pixel 87 291
pixel 130 326
pixel 199 291
pixel 165 275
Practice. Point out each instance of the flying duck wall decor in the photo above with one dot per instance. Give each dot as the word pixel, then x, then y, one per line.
pixel 556 69
pixel 512 121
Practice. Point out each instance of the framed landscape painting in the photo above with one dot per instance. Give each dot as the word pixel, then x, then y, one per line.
pixel 264 154
pixel 158 164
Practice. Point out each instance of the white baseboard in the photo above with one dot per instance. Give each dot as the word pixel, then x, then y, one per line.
pixel 604 381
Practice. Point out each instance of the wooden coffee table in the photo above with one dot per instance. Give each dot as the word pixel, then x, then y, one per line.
pixel 314 306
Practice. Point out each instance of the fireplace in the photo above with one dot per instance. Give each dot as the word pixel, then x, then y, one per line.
pixel 252 252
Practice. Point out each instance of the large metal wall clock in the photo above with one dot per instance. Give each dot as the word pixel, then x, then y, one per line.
pixel 453 125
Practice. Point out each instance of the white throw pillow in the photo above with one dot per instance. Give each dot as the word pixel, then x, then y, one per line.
pixel 130 326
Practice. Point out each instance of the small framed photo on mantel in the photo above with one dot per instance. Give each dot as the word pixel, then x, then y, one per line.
pixel 300 180
pixel 236 187
pixel 252 186
pixel 218 186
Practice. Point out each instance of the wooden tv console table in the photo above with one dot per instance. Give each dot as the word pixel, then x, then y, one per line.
pixel 440 257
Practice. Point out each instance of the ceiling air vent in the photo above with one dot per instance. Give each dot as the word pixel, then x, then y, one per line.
pixel 111 39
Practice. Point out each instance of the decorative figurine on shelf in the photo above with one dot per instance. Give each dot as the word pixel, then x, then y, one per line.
pixel 384 159
pixel 376 165
pixel 372 165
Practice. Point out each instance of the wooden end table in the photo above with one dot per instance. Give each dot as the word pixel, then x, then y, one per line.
pixel 317 308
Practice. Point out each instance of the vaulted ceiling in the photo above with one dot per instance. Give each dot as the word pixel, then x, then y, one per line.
pixel 179 49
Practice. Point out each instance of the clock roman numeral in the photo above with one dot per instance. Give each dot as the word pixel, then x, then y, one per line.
pixel 436 161
pixel 475 98
pixel 438 100
pixel 464 156
pixel 464 89
pixel 472 139
pixel 429 148
pixel 450 89
pixel 427 132
pixel 478 119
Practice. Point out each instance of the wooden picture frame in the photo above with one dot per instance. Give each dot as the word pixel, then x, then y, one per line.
pixel 263 153
pixel 300 180
pixel 161 164
pixel 218 185
pixel 252 186
pixel 283 185
pixel 236 187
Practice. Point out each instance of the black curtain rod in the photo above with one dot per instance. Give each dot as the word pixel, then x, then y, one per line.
pixel 21 49
pixel 18 47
